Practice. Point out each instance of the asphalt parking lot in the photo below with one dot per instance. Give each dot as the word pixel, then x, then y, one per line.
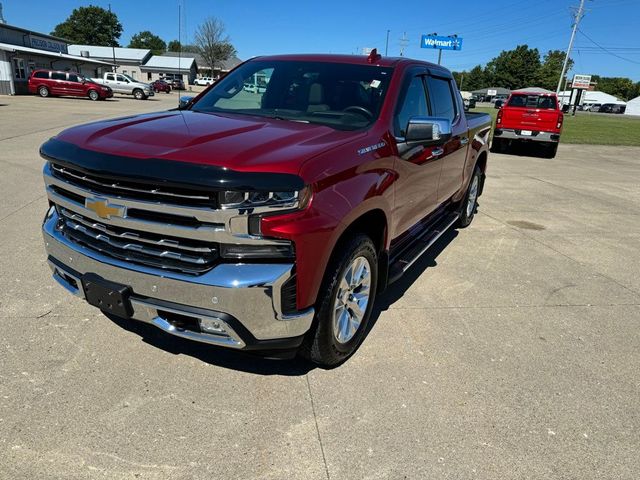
pixel 509 352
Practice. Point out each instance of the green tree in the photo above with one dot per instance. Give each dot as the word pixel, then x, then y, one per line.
pixel 90 26
pixel 515 68
pixel 148 40
pixel 173 46
pixel 213 43
pixel 549 71
pixel 620 87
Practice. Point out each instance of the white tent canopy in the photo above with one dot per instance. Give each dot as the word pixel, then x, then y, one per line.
pixel 591 97
pixel 633 107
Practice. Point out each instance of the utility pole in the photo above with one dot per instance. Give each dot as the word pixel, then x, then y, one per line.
pixel 439 55
pixel 113 47
pixel 404 41
pixel 386 46
pixel 461 80
pixel 576 22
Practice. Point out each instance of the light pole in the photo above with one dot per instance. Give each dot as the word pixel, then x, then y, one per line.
pixel 386 47
pixel 578 17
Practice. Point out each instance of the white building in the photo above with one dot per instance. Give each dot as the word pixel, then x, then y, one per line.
pixel 160 66
pixel 633 107
pixel 23 50
pixel 127 60
pixel 591 97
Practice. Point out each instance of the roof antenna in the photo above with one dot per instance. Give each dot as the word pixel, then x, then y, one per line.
pixel 374 56
pixel 179 47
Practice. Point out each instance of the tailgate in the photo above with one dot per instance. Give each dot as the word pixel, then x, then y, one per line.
pixel 525 111
pixel 529 119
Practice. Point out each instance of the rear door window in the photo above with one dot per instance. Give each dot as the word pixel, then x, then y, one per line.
pixel 441 98
pixel 58 76
pixel 532 101
pixel 111 77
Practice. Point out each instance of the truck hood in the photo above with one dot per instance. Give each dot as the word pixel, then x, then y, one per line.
pixel 236 142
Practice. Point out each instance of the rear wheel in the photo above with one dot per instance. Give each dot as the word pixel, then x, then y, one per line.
pixel 469 204
pixel 93 95
pixel 498 145
pixel 551 149
pixel 345 303
pixel 43 92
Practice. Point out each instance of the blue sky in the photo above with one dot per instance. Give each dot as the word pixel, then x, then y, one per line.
pixel 289 26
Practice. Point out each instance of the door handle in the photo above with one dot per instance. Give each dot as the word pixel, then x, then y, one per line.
pixel 464 140
pixel 436 152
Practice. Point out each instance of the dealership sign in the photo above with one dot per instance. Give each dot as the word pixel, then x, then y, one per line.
pixel 581 81
pixel 441 42
pixel 48 44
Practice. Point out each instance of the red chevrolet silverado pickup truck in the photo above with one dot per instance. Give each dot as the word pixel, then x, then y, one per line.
pixel 266 218
pixel 532 117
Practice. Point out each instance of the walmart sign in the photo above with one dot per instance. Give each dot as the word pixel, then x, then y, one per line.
pixel 440 42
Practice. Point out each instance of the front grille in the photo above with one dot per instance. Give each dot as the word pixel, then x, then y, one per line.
pixel 187 256
pixel 139 190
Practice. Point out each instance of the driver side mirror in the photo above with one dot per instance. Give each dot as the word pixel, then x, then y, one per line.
pixel 185 101
pixel 427 130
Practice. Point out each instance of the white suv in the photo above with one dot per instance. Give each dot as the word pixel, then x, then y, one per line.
pixel 206 81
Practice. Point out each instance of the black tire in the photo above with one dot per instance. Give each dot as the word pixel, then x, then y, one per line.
pixel 138 94
pixel 320 344
pixel 93 95
pixel 550 150
pixel 467 211
pixel 498 145
pixel 43 91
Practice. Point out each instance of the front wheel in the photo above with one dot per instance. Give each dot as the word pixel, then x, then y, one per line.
pixel 138 94
pixel 469 204
pixel 93 95
pixel 345 303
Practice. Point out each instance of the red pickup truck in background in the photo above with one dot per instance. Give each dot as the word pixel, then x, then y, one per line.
pixel 266 219
pixel 529 117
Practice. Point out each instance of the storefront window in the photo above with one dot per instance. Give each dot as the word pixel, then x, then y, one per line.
pixel 18 67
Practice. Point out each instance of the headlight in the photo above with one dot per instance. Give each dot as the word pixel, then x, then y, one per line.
pixel 270 200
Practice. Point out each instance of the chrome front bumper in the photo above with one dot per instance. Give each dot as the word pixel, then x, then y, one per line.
pixel 248 293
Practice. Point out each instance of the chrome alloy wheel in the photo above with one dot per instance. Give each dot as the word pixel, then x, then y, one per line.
pixel 473 196
pixel 352 299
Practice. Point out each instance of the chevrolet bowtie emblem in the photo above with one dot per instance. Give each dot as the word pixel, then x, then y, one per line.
pixel 103 208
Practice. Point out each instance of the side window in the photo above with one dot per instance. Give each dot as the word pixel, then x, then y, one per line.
pixel 442 103
pixel 73 77
pixel 414 104
pixel 58 76
pixel 111 77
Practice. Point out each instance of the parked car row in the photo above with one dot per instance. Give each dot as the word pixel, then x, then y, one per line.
pixel 62 83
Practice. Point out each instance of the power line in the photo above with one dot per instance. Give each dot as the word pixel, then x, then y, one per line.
pixel 577 19
pixel 606 50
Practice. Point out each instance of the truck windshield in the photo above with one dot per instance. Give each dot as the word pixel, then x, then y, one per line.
pixel 340 95
pixel 532 101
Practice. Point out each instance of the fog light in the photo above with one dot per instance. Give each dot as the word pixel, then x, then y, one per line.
pixel 212 325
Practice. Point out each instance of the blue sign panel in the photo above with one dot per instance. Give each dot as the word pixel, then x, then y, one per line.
pixel 441 42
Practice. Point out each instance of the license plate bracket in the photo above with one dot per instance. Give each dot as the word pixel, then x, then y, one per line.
pixel 527 133
pixel 110 297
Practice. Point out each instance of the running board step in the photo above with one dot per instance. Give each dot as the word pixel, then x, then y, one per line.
pixel 413 253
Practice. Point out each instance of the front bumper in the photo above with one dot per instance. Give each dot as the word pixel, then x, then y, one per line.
pixel 243 298
pixel 536 136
